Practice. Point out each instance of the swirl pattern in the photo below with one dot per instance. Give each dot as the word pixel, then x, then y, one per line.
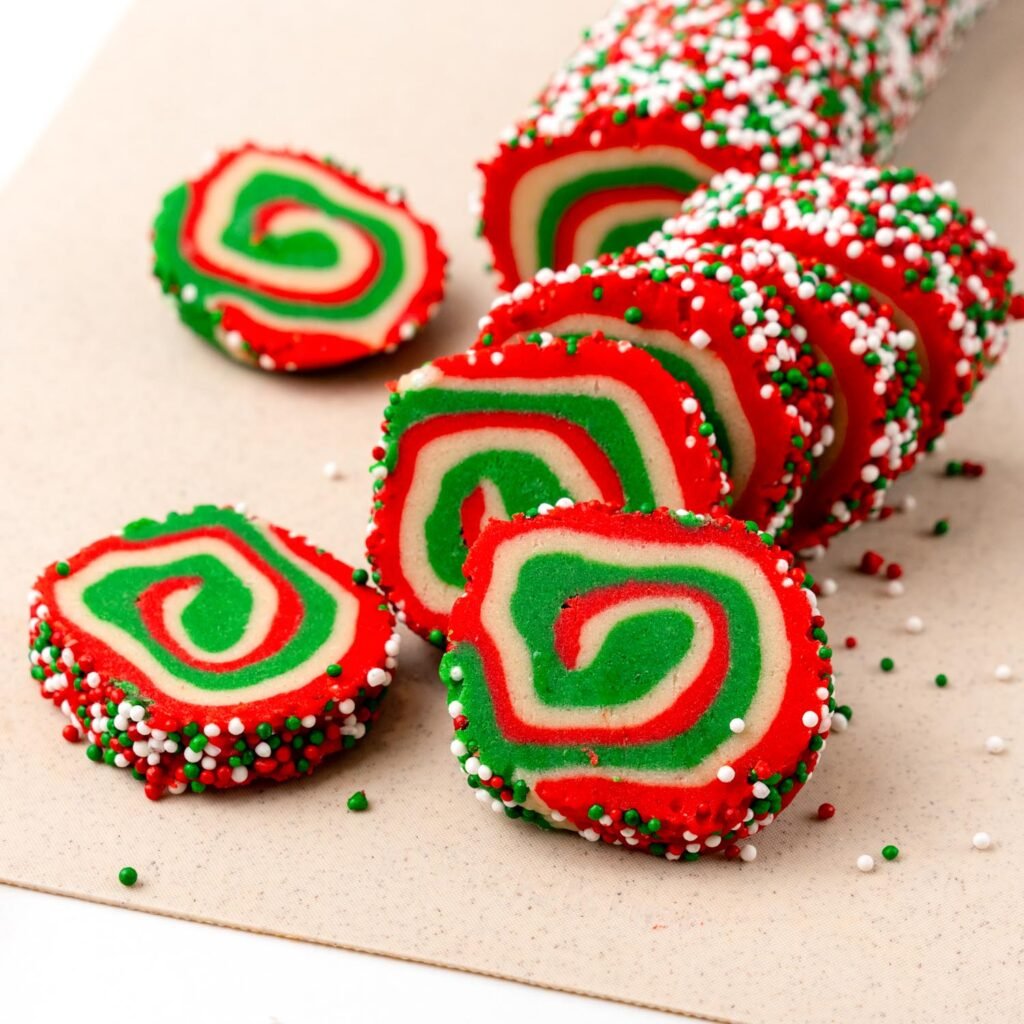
pixel 661 95
pixel 487 434
pixel 205 625
pixel 292 263
pixel 656 680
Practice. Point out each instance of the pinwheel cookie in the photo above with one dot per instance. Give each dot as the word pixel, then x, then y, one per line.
pixel 659 681
pixel 291 263
pixel 489 433
pixel 210 649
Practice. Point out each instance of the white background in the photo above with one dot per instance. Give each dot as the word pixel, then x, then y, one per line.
pixel 63 959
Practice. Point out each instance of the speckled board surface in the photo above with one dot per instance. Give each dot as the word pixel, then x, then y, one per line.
pixel 112 411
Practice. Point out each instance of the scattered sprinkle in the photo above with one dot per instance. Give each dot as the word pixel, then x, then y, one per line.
pixel 748 853
pixel 358 802
pixel 887 664
pixel 894 588
pixel 851 642
pixel 914 624
pixel 826 811
pixel 893 571
pixel 331 471
pixel 981 841
pixel 865 862
pixel 128 876
pixel 1004 673
pixel 995 744
pixel 870 563
pixel 890 852
pixel 941 527
pixel 941 679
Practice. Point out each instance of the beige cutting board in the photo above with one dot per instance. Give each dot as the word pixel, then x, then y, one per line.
pixel 111 410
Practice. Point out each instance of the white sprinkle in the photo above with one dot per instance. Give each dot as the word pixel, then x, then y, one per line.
pixel 748 853
pixel 840 722
pixel 236 727
pixel 760 790
pixel 189 293
pixel 981 841
pixel 810 719
pixel 828 586
pixel 995 744
pixel 1004 673
pixel 455 675
pixel 894 588
pixel 458 748
pixel 239 774
pixel 726 773
pixel 377 677
pixel 331 471
pixel 909 503
pixel 455 708
pixel 865 862
pixel 210 730
pixel 737 725
pixel 914 624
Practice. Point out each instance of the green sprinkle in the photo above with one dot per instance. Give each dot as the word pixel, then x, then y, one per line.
pixel 941 680
pixel 128 876
pixel 264 730
pixel 887 664
pixel 941 527
pixel 62 568
pixel 291 723
pixel 334 669
pixel 358 802
pixel 436 637
pixel 890 852
pixel 634 315
pixel 596 811
pixel 360 577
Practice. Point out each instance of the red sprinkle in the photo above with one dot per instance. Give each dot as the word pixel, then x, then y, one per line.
pixel 826 811
pixel 870 563
pixel 893 571
pixel 70 733
pixel 850 641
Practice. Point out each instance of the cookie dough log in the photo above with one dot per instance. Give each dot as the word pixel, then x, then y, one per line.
pixel 660 95
pixel 210 650
pixel 289 262
pixel 658 681
pixel 487 434
pixel 935 266
pixel 876 388
pixel 713 327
